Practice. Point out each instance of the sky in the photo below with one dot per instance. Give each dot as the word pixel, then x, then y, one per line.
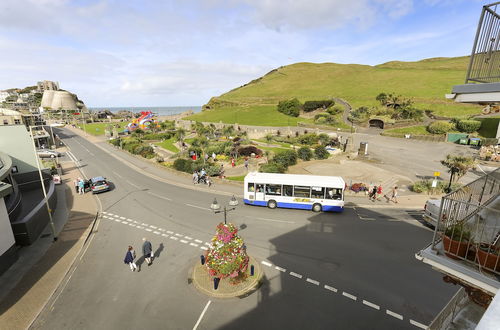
pixel 181 53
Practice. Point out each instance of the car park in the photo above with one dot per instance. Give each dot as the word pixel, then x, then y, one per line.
pixel 47 153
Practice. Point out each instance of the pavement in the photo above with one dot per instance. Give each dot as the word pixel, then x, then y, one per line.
pixel 28 284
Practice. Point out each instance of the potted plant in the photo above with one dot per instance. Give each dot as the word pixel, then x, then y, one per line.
pixel 456 241
pixel 488 256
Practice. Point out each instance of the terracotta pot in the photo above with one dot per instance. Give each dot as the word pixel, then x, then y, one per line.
pixel 454 249
pixel 488 260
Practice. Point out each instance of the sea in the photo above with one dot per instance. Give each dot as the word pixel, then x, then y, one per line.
pixel 159 111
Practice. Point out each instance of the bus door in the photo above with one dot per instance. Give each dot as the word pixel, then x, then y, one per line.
pixel 259 192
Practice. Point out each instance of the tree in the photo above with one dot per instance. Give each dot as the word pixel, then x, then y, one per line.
pixel 458 165
pixel 269 138
pixel 228 131
pixel 382 98
pixel 320 152
pixel 180 133
pixel 304 153
pixel 290 107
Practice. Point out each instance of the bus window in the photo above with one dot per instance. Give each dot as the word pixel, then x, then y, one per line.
pixel 260 187
pixel 287 190
pixel 302 191
pixel 251 187
pixel 318 192
pixel 273 189
pixel 334 193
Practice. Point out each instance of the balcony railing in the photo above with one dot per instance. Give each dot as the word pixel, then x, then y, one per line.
pixel 468 226
pixel 484 65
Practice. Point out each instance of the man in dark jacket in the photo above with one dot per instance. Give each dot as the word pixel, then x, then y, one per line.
pixel 147 249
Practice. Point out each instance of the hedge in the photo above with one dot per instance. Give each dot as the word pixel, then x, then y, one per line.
pixel 314 105
pixel 320 152
pixel 304 153
pixel 468 126
pixel 440 127
pixel 272 167
pixel 290 107
pixel 286 158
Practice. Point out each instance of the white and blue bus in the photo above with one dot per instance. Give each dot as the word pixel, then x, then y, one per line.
pixel 308 192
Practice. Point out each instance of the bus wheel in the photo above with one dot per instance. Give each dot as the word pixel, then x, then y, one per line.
pixel 316 208
pixel 272 204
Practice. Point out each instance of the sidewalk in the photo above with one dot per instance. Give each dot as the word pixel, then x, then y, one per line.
pixel 355 171
pixel 43 265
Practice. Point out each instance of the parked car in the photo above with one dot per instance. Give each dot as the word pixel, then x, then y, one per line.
pixel 431 211
pixel 47 153
pixel 97 185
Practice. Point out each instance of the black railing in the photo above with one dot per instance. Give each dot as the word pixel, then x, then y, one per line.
pixel 484 65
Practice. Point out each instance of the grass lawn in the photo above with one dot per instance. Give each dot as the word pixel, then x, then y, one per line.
pixel 273 149
pixel 240 178
pixel 283 144
pixel 168 144
pixel 98 128
pixel 413 130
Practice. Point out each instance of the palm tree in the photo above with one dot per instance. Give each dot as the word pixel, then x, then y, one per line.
pixel 228 131
pixel 458 165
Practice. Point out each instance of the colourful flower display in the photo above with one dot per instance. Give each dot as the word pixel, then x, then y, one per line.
pixel 227 256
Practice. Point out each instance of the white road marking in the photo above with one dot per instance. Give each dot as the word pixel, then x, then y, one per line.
pixel 271 220
pixel 418 324
pixel 122 218
pixel 117 220
pixel 147 229
pixel 368 219
pixel 111 214
pixel 156 232
pixel 131 224
pixel 201 316
pixel 207 243
pixel 193 244
pixel 268 264
pixel 116 215
pixel 198 207
pixel 125 222
pixel 154 227
pixel 159 196
pixel 183 241
pixel 164 235
pixel 396 315
pixel 118 175
pixel 140 227
pixel 312 281
pixel 296 275
pixel 372 305
pixel 179 235
pixel 174 238
pixel 144 224
pixel 348 295
pixel 280 269
pixel 204 248
pixel 132 184
pixel 187 237
pixel 331 288
pixel 198 241
pixel 170 232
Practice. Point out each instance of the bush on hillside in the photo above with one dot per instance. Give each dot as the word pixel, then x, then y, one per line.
pixel 308 139
pixel 408 113
pixel 335 109
pixel 157 136
pixel 249 150
pixel 314 105
pixel 290 107
pixel 324 139
pixel 272 167
pixel 144 151
pixel 360 114
pixel 440 127
pixel 324 118
pixel 468 126
pixel 183 165
pixel 304 153
pixel 320 152
pixel 286 158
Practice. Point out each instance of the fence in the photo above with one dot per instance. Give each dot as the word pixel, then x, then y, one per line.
pixel 447 314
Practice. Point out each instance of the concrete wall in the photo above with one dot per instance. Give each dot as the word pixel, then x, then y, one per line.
pixel 15 141
pixel 7 243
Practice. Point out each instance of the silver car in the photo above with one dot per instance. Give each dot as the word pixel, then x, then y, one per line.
pixel 47 153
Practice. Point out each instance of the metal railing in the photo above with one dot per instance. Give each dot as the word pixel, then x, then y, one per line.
pixel 468 226
pixel 484 65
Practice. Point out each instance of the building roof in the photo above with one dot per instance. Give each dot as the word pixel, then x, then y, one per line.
pixel 9 112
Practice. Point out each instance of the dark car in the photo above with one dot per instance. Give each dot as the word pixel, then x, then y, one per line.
pixel 97 185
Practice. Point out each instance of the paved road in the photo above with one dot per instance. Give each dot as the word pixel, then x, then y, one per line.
pixel 354 270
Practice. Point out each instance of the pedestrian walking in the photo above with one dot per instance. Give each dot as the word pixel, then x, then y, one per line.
pixel 147 249
pixel 379 192
pixel 129 258
pixel 221 171
pixel 394 194
pixel 195 177
pixel 75 182
pixel 373 193
pixel 81 187
pixel 246 163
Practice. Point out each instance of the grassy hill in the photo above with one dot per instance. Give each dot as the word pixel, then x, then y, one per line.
pixel 425 81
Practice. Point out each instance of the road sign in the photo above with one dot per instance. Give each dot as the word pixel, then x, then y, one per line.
pixel 437 174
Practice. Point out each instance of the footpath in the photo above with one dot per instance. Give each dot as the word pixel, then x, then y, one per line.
pixel 355 170
pixel 30 283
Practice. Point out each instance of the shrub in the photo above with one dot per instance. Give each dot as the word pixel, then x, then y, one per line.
pixel 115 142
pixel 144 151
pixel 272 168
pixel 324 118
pixel 425 186
pixel 468 126
pixel 290 107
pixel 183 165
pixel 314 105
pixel 157 136
pixel 324 138
pixel 304 153
pixel 286 158
pixel 360 114
pixel 320 152
pixel 248 150
pixel 308 139
pixel 440 127
pixel 335 109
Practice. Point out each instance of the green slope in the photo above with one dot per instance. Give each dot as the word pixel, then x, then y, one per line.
pixel 425 81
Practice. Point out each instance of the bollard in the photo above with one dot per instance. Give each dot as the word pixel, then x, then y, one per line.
pixel 202 259
pixel 252 270
pixel 216 283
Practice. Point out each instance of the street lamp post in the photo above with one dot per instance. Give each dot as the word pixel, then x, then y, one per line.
pixel 216 207
pixel 453 170
pixel 51 221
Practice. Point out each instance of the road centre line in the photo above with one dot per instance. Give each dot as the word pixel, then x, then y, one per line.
pixel 198 207
pixel 331 288
pixel 159 196
pixel 418 324
pixel 396 315
pixel 348 295
pixel 268 264
pixel 201 316
pixel 133 184
pixel 118 175
pixel 372 305
pixel 280 269
pixel 312 281
pixel 296 275
pixel 271 220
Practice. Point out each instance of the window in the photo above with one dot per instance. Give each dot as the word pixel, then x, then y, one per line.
pixel 302 191
pixel 251 187
pixel 273 189
pixel 317 192
pixel 334 193
pixel 260 187
pixel 5 122
pixel 287 190
pixel 17 122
